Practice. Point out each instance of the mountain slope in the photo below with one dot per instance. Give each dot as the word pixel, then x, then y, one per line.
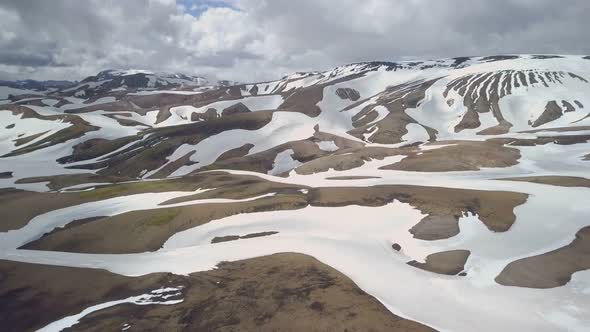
pixel 418 180
pixel 358 105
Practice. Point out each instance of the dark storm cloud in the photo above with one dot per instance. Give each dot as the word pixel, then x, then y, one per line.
pixel 24 59
pixel 261 39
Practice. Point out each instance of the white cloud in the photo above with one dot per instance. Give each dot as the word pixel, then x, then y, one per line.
pixel 264 39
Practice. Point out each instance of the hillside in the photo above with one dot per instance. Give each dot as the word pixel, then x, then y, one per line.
pixel 455 193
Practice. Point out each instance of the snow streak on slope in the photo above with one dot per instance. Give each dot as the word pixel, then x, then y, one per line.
pixel 157 296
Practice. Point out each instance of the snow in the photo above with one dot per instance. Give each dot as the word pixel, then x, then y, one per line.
pixel 131 72
pixel 522 105
pixel 5 91
pixel 284 162
pixel 153 297
pixel 172 92
pixel 109 128
pixel 283 127
pixel 59 218
pixel 83 187
pixel 79 103
pixel 416 133
pixel 23 128
pixel 331 234
pixel 86 85
pixel 182 114
pixel 328 146
pixel 50 102
pixel 356 240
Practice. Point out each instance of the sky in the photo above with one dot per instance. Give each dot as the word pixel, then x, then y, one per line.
pixel 256 40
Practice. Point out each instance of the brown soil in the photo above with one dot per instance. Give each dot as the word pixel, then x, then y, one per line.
pixel 236 187
pixel 552 112
pixel 5 175
pixel 236 153
pixel 542 140
pixel 436 228
pixel 305 151
pixel 558 129
pixel 120 118
pixel 95 147
pixel 449 262
pixel 304 100
pixel 151 152
pixel 173 166
pixel 262 162
pixel 149 229
pixel 287 292
pixel 341 142
pixel 209 114
pixel 227 238
pixel 463 156
pixel 396 100
pixel 36 295
pixel 551 269
pixel 57 182
pixel 283 292
pixel 499 129
pixel 12 200
pixel 78 128
pixel 27 139
pixel 347 159
pixel 352 177
pixel 348 93
pixel 494 208
pixel 562 181
pixel 235 109
pixel 476 101
pixel 470 120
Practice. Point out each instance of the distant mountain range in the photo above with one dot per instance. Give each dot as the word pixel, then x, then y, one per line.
pixel 110 80
pixel 38 85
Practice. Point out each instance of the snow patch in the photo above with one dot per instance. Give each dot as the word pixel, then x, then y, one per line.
pixel 328 146
pixel 284 162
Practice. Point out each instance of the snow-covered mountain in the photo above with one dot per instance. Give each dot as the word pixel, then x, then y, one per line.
pixel 111 80
pixel 418 180
pixel 38 85
pixel 365 104
pixel 11 89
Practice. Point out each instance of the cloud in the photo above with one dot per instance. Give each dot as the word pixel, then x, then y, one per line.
pixel 250 40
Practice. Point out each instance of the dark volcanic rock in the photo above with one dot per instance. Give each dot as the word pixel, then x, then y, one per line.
pixel 210 114
pixel 348 93
pixel 235 109
pixel 447 262
pixel 552 112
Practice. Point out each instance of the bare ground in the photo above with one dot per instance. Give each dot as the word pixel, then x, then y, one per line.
pixel 562 181
pixel 12 200
pixel 551 269
pixel 149 229
pixel 449 262
pixel 462 156
pixel 287 292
